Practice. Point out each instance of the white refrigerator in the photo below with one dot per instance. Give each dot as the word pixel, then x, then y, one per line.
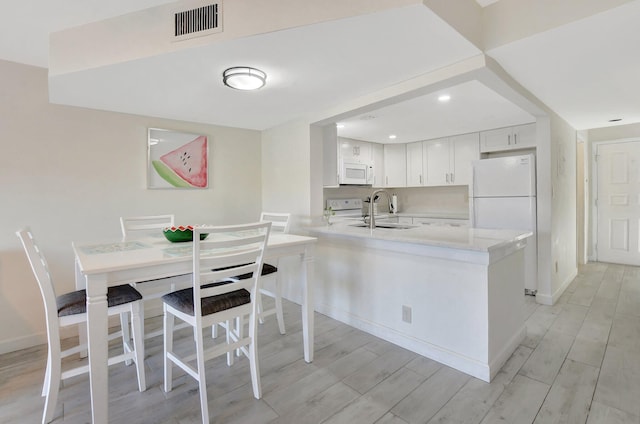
pixel 503 196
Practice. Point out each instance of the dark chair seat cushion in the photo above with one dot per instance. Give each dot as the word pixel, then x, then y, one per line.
pixel 182 300
pixel 76 302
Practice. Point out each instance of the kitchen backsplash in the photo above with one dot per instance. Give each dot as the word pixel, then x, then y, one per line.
pixel 447 199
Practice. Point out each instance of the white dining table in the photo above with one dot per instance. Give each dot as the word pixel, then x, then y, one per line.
pixel 104 264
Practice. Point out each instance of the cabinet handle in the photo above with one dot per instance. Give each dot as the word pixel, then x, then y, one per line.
pixel 447 177
pixel 420 178
pixel 509 139
pixel 452 175
pixel 387 181
pixel 515 139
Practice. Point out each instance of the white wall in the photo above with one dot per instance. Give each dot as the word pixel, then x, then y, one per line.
pixel 563 206
pixel 70 173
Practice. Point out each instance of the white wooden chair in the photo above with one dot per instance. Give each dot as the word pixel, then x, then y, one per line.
pixel 152 225
pixel 70 309
pixel 214 298
pixel 270 284
pixel 270 276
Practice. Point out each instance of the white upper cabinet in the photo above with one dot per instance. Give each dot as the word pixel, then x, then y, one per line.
pixel 355 151
pixel 447 161
pixel 510 138
pixel 464 149
pixel 437 161
pixel 395 165
pixel 378 164
pixel 415 176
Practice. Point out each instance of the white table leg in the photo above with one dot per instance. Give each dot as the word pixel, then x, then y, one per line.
pixel 307 302
pixel 97 321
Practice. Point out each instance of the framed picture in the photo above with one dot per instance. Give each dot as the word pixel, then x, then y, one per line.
pixel 177 160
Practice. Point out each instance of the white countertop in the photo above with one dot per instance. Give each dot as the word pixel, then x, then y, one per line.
pixel 458 238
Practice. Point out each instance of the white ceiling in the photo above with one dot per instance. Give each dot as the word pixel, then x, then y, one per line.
pixel 309 68
pixel 586 71
pixel 472 107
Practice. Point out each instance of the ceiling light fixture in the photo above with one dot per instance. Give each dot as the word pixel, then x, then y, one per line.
pixel 244 78
pixel 444 98
pixel 615 120
pixel 339 126
pixel 392 137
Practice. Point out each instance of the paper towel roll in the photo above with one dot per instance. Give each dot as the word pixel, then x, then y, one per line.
pixel 394 204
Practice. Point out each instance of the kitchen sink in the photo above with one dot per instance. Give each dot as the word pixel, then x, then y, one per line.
pixel 387 225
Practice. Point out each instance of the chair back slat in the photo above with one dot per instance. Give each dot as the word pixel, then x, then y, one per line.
pixel 40 270
pixel 228 251
pixel 280 222
pixel 145 224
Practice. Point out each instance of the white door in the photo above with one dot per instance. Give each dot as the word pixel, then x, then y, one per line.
pixel 414 164
pixel 618 200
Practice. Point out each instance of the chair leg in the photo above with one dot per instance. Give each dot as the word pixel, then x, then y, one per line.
pixel 126 335
pixel 168 347
pixel 47 376
pixel 52 386
pixel 230 332
pixel 279 314
pixel 138 343
pixel 253 358
pixel 202 381
pixel 239 332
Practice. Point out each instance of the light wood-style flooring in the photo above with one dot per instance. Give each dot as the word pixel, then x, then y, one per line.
pixel 580 363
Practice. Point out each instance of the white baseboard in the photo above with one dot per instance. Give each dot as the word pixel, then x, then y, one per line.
pixel 455 360
pixel 551 300
pixel 24 342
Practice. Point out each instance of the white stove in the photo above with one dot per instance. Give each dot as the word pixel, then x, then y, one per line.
pixel 346 208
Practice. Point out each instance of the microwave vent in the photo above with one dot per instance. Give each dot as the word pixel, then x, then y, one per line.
pixel 198 21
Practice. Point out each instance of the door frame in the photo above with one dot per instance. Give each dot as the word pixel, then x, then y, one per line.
pixel 594 190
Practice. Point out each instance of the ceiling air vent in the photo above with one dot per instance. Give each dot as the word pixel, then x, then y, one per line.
pixel 197 22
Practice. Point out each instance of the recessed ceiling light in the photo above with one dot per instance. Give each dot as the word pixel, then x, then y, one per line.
pixel 392 137
pixel 244 78
pixel 444 98
pixel 339 126
pixel 615 120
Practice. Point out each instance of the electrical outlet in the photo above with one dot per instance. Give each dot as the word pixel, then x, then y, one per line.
pixel 406 314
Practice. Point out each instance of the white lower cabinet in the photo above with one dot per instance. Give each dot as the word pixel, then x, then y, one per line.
pixel 441 222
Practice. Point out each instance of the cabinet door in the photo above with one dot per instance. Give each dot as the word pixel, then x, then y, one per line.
pixel 395 165
pixel 495 140
pixel 355 151
pixel 414 164
pixel 378 164
pixel 524 136
pixel 464 149
pixel 436 161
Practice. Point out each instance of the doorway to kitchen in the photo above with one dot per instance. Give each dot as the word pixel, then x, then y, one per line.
pixel 618 202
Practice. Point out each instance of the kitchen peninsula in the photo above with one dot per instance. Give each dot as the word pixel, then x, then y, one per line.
pixel 453 294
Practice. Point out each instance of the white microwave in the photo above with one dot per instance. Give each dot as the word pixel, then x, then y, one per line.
pixel 353 173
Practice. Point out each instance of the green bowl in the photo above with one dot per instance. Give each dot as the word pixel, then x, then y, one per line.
pixel 180 234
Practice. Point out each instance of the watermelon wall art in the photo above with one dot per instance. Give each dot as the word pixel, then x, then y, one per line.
pixel 177 160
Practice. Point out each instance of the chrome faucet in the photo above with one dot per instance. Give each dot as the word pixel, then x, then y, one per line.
pixel 372 219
